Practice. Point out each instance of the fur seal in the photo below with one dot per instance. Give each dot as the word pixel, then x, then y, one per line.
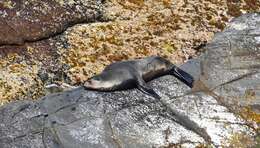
pixel 135 73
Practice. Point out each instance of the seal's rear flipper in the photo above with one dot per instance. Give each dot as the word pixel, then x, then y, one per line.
pixel 182 76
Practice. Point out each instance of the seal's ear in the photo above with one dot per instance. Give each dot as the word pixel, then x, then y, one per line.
pixel 96 78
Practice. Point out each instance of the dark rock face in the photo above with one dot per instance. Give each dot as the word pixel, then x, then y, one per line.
pixel 227 72
pixel 28 20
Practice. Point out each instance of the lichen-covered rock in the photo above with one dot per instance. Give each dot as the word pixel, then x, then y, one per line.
pixel 31 20
pixel 32 65
pixel 35 64
pixel 174 29
pixel 83 118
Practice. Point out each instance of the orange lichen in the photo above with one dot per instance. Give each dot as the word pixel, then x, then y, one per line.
pixel 248 114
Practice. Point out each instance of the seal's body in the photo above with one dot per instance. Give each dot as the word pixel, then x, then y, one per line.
pixel 134 73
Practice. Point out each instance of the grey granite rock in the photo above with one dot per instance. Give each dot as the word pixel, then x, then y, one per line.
pixel 226 75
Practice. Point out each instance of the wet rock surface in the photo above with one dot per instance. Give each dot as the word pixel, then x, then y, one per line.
pixel 227 87
pixel 26 20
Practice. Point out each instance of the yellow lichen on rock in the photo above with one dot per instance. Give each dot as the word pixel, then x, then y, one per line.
pixel 17 80
pixel 8 4
pixel 136 28
pixel 239 140
pixel 250 115
pixel 18 77
pixel 147 28
pixel 94 46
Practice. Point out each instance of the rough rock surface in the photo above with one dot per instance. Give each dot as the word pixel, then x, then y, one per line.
pixel 174 29
pixel 31 20
pixel 227 76
pixel 37 62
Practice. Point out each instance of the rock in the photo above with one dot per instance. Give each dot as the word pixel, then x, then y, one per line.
pixel 37 62
pixel 128 30
pixel 32 65
pixel 26 21
pixel 82 118
pixel 232 60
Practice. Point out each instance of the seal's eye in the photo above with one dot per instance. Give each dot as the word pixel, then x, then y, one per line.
pixel 89 82
pixel 96 78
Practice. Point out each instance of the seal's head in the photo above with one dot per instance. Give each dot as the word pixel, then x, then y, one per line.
pixel 99 82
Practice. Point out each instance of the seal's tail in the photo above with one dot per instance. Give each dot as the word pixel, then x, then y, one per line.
pixel 182 76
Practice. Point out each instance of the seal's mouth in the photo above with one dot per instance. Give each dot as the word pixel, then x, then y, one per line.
pixel 98 85
pixel 183 76
pixel 88 84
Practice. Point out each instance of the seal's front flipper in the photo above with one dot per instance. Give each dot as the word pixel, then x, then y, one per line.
pixel 148 91
pixel 142 86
